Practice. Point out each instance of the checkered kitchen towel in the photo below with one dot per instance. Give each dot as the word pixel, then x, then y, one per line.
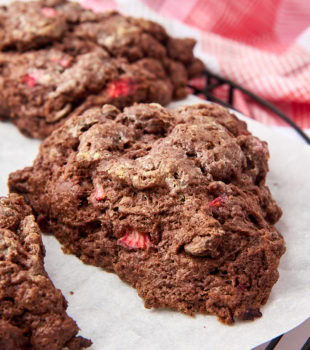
pixel 264 45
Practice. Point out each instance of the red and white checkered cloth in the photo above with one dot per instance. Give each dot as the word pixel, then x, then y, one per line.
pixel 264 45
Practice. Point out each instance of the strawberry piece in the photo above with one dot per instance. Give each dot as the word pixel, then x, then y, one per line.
pixel 32 78
pixel 66 62
pixel 99 193
pixel 29 80
pixel 135 240
pixel 217 202
pixel 122 87
pixel 62 61
pixel 49 12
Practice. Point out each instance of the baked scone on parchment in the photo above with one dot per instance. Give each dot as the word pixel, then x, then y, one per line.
pixel 32 311
pixel 173 201
pixel 57 59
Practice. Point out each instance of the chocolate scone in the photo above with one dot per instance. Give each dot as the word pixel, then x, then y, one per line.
pixel 56 56
pixel 174 202
pixel 41 89
pixel 32 311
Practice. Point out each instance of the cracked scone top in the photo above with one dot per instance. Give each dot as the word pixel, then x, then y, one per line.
pixel 174 202
pixel 32 311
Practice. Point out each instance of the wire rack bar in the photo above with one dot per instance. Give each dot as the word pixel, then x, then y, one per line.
pixel 213 81
pixel 306 346
pixel 273 343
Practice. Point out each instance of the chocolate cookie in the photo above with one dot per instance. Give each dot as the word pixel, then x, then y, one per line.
pixel 32 311
pixel 174 202
pixel 57 56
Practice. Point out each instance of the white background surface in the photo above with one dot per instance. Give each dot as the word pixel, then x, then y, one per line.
pixel 112 315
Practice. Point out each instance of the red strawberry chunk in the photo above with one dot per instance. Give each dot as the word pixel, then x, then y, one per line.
pixel 217 202
pixel 135 240
pixel 29 80
pixel 62 61
pixel 65 62
pixel 49 12
pixel 121 87
pixel 32 78
pixel 99 193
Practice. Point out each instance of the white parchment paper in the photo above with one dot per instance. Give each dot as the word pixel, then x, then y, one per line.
pixel 110 313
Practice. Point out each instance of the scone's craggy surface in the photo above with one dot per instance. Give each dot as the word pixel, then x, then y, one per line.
pixel 32 311
pixel 56 56
pixel 174 202
pixel 41 89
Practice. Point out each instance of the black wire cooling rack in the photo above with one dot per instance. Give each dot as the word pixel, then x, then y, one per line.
pixel 212 82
